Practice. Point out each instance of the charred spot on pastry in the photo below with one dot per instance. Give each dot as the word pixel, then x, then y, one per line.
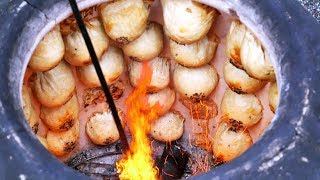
pixel 96 95
pixel 196 97
pixel 134 58
pixel 236 62
pixel 32 79
pixel 86 63
pixel 122 40
pixel 188 10
pixel 148 3
pixel 69 146
pixel 237 90
pixel 93 96
pixel 272 109
pixel 35 128
pixel 67 125
pixel 117 90
pixel 178 113
pixel 180 43
pixel 235 125
pixel 235 55
pixel 109 140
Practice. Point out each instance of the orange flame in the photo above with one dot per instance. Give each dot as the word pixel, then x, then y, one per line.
pixel 137 162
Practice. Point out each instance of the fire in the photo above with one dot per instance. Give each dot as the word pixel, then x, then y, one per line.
pixel 137 162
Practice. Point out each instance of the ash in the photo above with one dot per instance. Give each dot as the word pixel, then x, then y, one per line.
pixel 313 6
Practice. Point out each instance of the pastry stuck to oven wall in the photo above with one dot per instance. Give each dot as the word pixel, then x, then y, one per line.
pixel 148 46
pixel 49 51
pixel 101 128
pixel 55 87
pixel 168 128
pixel 112 66
pixel 124 21
pixel 160 69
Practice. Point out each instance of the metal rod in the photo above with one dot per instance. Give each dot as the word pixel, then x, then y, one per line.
pixel 95 62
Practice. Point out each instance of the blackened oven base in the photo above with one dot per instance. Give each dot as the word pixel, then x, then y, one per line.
pixel 289 149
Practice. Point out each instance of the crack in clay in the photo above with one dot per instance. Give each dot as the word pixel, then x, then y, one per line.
pixel 305 110
pixel 265 165
pixel 246 167
pixel 313 6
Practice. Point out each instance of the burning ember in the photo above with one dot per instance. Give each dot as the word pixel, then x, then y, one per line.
pixel 137 162
pixel 201 113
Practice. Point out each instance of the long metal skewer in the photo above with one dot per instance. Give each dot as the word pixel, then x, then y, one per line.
pixel 95 62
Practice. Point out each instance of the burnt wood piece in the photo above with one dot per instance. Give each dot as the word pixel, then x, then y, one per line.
pixel 97 169
pixel 88 155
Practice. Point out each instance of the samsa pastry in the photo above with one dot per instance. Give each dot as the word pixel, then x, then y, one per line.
pixel 55 87
pixel 273 96
pixel 195 83
pixel 49 51
pixel 195 54
pixel 229 144
pixel 62 143
pixel 112 65
pixel 77 53
pixel 148 46
pixel 187 21
pixel 124 21
pixel 162 101
pixel 61 118
pixel 168 127
pixel 102 129
pixel 239 81
pixel 245 109
pixel 28 110
pixel 160 78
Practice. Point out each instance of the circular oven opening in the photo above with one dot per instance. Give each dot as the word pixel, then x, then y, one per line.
pixel 199 113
